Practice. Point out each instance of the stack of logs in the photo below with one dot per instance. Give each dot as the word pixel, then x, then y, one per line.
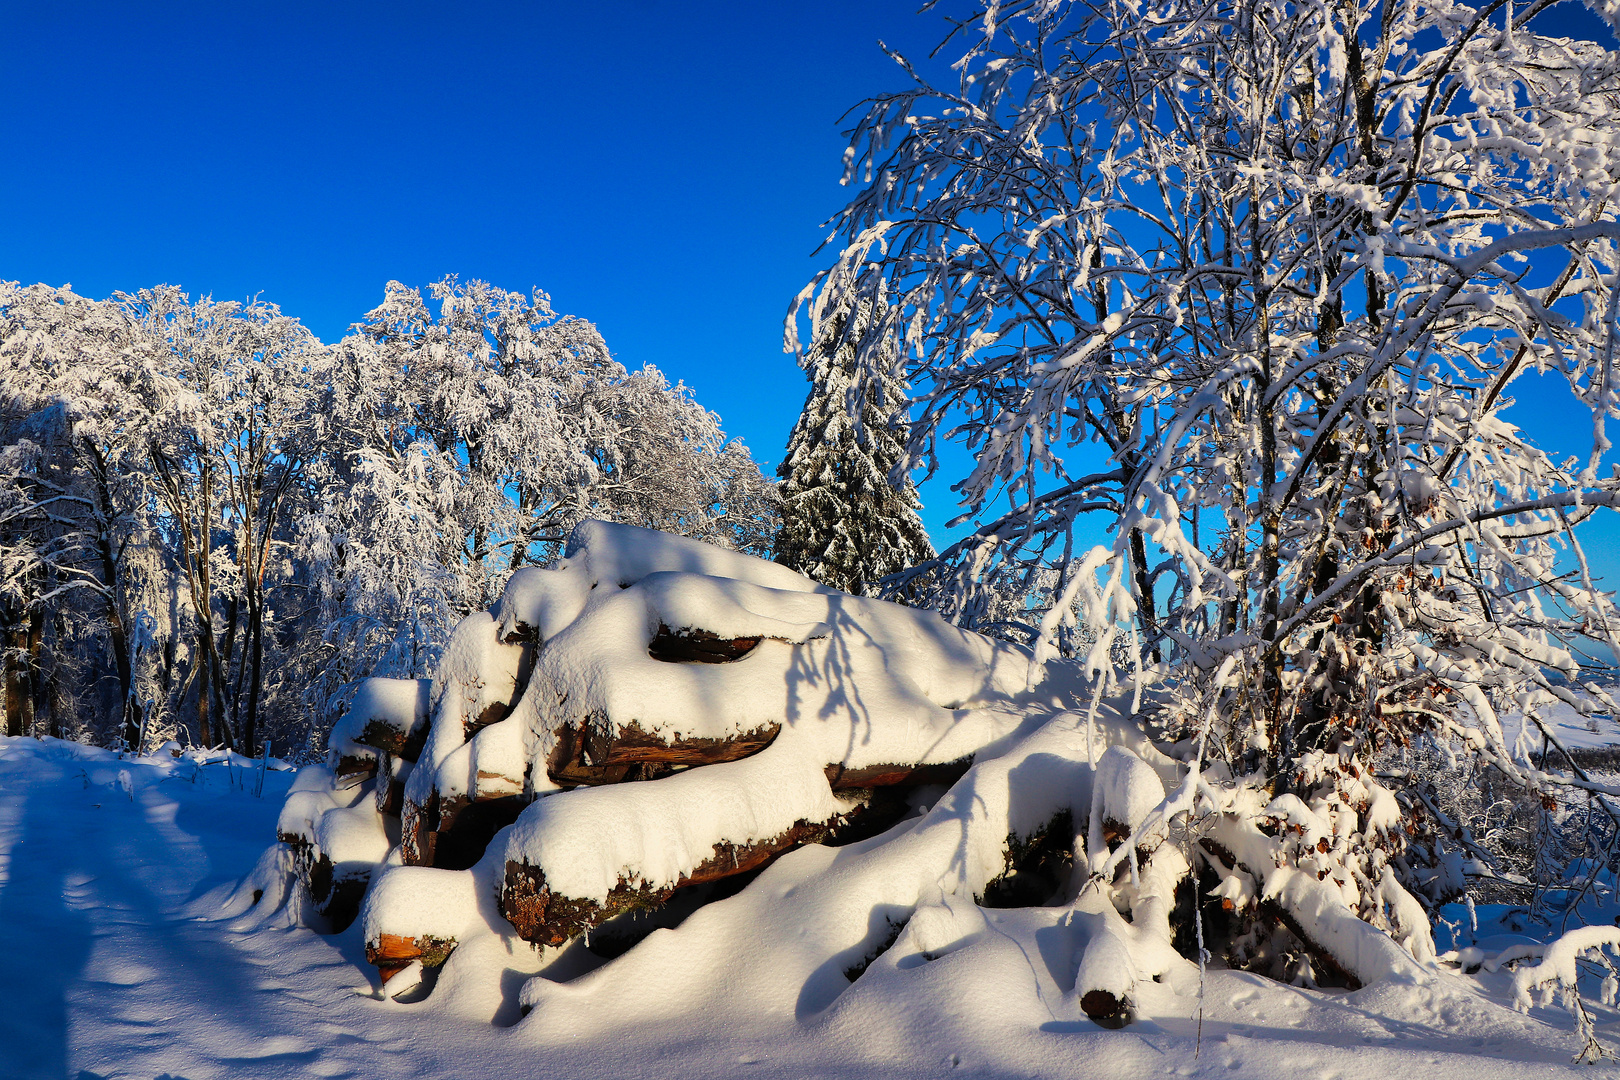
pixel 451 832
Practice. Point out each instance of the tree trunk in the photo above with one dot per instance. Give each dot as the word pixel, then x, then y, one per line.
pixel 13 649
pixel 1144 589
pixel 250 728
pixel 109 578
pixel 202 601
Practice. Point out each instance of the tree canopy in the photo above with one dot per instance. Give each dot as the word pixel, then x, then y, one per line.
pixel 211 523
pixel 1283 261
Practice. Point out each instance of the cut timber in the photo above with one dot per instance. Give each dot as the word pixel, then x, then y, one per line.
pixel 390 715
pixel 381 734
pixel 465 827
pixel 338 898
pixel 393 953
pixel 499 709
pixel 591 754
pixel 451 832
pixel 390 789
pixel 352 771
pixel 545 918
pixel 1107 1010
pixel 522 633
pixel 1104 980
pixel 843 778
pixel 690 645
pixel 417 822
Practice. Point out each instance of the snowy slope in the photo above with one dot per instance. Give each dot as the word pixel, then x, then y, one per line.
pixel 113 874
pixel 1568 726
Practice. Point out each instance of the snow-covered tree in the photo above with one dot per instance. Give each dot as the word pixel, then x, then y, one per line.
pixel 210 522
pixel 849 511
pixel 462 443
pixel 71 557
pixel 1284 262
pixel 226 405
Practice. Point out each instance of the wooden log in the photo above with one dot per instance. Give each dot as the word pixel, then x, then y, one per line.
pixel 417 822
pixel 499 710
pixel 1106 976
pixel 546 918
pixel 465 826
pixel 591 753
pixel 393 953
pixel 379 717
pixel 337 898
pixel 690 645
pixel 522 632
pixel 844 778
pixel 390 789
pixel 1106 1009
pixel 352 770
pixel 383 735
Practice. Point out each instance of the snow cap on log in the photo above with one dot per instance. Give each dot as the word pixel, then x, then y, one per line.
pixel 541 601
pixel 387 714
pixel 1127 789
pixel 315 790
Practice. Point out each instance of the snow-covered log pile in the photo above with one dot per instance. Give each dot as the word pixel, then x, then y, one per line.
pixel 640 730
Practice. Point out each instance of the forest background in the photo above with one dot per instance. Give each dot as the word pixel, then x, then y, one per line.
pixel 660 174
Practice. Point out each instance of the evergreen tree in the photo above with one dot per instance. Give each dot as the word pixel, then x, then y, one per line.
pixel 844 522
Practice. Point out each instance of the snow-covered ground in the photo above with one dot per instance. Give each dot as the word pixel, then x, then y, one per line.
pixel 117 964
pixel 1567 725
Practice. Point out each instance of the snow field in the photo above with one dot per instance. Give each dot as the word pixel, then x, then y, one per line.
pixel 131 956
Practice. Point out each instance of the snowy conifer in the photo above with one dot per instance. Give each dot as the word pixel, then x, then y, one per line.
pixel 845 522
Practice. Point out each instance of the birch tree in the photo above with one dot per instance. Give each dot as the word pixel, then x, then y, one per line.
pixel 227 411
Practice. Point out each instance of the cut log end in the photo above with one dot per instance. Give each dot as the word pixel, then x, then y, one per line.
pixel 592 752
pixel 842 777
pixel 1105 1009
pixel 465 827
pixel 352 771
pixel 393 953
pixel 337 898
pixel 380 733
pixel 690 645
pixel 543 917
pixel 525 901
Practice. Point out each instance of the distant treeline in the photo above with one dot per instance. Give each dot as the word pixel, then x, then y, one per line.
pixel 212 523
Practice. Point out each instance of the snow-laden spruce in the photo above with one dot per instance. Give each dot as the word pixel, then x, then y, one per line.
pixel 636 733
pixel 848 519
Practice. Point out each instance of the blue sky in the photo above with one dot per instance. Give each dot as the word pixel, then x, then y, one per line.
pixel 660 169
